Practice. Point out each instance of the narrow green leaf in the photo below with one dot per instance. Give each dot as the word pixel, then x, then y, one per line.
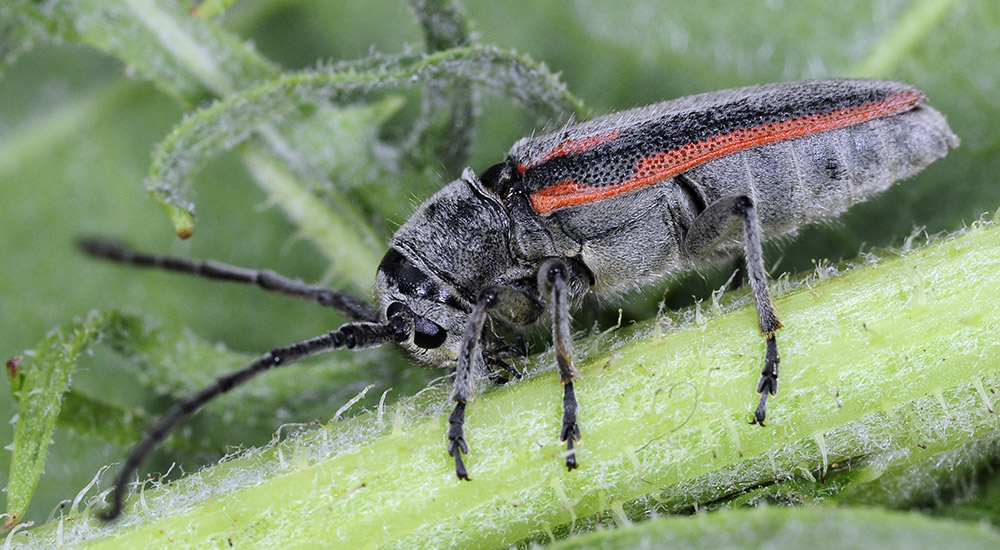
pixel 780 528
pixel 870 376
pixel 181 217
pixel 189 58
pixel 41 382
pixel 445 128
pixel 230 122
pixel 14 374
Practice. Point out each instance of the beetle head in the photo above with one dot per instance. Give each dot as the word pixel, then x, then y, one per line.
pixel 454 245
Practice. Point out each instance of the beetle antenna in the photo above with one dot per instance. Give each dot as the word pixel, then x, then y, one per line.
pixel 351 336
pixel 344 302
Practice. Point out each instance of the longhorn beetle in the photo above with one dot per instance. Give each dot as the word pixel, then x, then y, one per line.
pixel 601 206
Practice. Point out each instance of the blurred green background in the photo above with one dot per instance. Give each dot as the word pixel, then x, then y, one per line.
pixel 77 128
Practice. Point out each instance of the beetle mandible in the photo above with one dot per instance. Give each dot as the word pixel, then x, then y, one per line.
pixel 602 206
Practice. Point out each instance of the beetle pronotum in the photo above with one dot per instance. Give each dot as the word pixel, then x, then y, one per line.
pixel 617 202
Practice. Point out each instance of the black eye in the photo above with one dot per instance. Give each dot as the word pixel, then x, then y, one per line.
pixel 427 334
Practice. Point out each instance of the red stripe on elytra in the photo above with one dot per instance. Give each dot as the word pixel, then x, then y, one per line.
pixel 569 146
pixel 653 168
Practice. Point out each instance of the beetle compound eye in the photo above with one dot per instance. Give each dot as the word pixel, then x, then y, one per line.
pixel 428 334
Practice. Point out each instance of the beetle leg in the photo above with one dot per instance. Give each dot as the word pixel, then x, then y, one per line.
pixel 767 319
pixel 506 300
pixel 707 230
pixel 462 391
pixel 498 371
pixel 553 279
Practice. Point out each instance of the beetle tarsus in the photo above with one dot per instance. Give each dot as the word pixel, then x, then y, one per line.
pixel 761 412
pixel 456 440
pixel 571 463
pixel 570 432
pixel 460 466
pixel 768 384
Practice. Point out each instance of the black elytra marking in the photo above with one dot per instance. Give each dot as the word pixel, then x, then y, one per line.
pixel 614 161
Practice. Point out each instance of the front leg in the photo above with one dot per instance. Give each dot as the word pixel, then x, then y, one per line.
pixel 470 360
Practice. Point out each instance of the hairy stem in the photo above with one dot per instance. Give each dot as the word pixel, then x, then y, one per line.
pixel 885 365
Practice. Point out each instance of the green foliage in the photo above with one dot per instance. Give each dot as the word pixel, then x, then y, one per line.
pixel 39 393
pixel 344 148
pixel 228 123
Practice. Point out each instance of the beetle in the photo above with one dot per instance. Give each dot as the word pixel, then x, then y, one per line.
pixel 602 206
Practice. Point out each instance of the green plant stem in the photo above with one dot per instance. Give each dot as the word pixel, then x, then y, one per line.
pixel 881 366
pixel 780 528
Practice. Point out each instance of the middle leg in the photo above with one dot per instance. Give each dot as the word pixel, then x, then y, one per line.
pixel 553 278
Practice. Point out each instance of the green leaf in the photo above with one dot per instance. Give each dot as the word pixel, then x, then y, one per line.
pixel 74 145
pixel 230 122
pixel 445 128
pixel 94 417
pixel 188 58
pixel 39 386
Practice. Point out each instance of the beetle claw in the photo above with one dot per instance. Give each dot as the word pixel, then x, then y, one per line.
pixel 457 448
